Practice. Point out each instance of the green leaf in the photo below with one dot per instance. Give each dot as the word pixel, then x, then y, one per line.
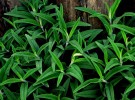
pixel 124 38
pixel 23 54
pixel 85 84
pixel 27 21
pixel 109 92
pixel 91 34
pixel 1 96
pixel 115 48
pixel 11 23
pixel 10 81
pixel 19 14
pixel 76 45
pixel 57 61
pixel 17 70
pixel 112 63
pixel 125 28
pixel 39 65
pixel 88 10
pixel 17 38
pixel 75 71
pixel 46 75
pixel 4 71
pixel 47 96
pixel 126 14
pixel 104 50
pixel 130 88
pixel 61 19
pixel 104 21
pixel 98 70
pixel 87 94
pixel 43 47
pixel 32 43
pixel 66 98
pixel 125 97
pixel 9 94
pixel 116 70
pixel 90 46
pixel 114 7
pixel 29 73
pixel 2 46
pixel 32 88
pixel 23 91
pixel 44 16
pixel 72 23
pixel 74 28
pixel 60 77
pixel 66 86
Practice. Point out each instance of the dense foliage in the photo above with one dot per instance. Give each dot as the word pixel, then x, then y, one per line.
pixel 44 57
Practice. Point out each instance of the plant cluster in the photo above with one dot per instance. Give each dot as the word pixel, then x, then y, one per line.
pixel 44 57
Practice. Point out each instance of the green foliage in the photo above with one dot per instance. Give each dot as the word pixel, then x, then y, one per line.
pixel 44 57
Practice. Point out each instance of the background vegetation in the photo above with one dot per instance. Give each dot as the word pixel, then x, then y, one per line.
pixel 44 57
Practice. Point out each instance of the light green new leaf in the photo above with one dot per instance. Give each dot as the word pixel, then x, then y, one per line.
pixel 57 61
pixel 23 91
pixel 85 84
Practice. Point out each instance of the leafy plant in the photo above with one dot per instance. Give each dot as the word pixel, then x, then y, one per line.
pixel 45 57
